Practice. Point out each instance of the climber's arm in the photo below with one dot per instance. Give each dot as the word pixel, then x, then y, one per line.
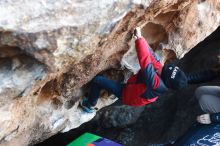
pixel 202 76
pixel 144 49
pixel 155 60
pixel 150 78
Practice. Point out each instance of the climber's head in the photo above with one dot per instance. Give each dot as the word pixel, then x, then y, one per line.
pixel 173 77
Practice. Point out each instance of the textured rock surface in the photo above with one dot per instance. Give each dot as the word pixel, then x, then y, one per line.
pixel 160 122
pixel 50 49
pixel 120 116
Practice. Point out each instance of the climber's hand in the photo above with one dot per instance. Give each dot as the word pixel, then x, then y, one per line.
pixel 137 32
pixel 204 119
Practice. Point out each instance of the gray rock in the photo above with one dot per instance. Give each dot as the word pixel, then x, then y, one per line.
pixel 120 116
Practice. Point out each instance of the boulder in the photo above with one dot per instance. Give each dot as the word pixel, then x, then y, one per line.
pixel 51 49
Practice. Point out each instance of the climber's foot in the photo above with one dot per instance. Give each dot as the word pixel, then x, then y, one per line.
pixel 86 106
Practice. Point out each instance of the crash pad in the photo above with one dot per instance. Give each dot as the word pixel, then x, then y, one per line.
pixel 88 139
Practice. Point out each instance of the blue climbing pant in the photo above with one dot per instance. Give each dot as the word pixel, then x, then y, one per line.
pixel 99 83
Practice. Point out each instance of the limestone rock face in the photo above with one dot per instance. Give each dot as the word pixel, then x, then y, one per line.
pixel 49 49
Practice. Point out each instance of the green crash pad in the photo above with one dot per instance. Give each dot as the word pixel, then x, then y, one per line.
pixel 84 139
pixel 88 139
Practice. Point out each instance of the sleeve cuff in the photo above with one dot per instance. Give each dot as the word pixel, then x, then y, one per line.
pixel 215 118
pixel 139 39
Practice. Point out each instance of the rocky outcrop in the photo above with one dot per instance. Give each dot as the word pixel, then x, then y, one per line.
pixel 50 50
pixel 160 122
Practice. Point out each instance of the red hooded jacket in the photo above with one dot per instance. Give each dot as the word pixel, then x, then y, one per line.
pixel 145 86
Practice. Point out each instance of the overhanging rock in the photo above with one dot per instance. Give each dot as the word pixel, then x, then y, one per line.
pixel 53 48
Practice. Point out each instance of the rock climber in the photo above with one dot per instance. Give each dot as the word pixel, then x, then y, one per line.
pixel 146 86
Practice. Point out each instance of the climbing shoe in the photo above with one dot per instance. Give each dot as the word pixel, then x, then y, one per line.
pixel 86 106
